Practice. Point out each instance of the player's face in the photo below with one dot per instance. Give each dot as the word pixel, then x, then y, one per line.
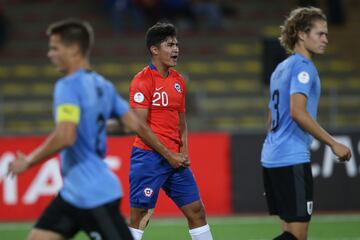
pixel 316 40
pixel 169 52
pixel 59 54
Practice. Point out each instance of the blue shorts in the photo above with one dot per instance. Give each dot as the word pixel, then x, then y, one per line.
pixel 149 172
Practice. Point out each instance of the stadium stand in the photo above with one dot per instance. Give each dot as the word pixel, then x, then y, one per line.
pixel 223 67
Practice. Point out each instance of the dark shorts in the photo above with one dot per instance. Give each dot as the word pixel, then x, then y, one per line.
pixel 289 192
pixel 103 222
pixel 149 172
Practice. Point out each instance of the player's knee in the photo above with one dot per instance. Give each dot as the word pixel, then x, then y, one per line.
pixel 199 210
pixel 145 219
pixel 195 212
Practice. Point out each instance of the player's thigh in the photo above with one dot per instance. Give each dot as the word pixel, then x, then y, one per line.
pixel 272 199
pixel 148 172
pixel 181 187
pixel 105 222
pixel 58 218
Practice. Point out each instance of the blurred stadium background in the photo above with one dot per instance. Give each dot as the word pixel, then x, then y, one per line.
pixel 226 59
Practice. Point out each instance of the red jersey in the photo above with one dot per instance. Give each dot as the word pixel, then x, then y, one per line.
pixel 165 98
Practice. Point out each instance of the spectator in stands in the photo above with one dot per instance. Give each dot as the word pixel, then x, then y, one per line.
pixel 124 15
pixel 150 9
pixel 180 12
pixel 83 102
pixel 4 25
pixel 294 97
pixel 209 13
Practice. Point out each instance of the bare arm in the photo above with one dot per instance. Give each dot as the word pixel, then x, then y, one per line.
pixel 269 121
pixel 137 122
pixel 116 126
pixel 183 136
pixel 64 135
pixel 305 121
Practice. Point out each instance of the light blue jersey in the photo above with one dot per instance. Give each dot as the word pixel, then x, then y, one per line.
pixel 287 143
pixel 87 180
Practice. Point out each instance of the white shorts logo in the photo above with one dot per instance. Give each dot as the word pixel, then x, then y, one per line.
pixel 310 207
pixel 148 192
pixel 303 77
pixel 139 97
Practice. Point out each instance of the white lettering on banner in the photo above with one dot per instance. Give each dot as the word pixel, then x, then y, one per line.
pixel 315 167
pixel 330 159
pixel 113 162
pixel 10 183
pixel 46 183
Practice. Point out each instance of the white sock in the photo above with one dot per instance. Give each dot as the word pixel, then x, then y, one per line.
pixel 201 233
pixel 136 233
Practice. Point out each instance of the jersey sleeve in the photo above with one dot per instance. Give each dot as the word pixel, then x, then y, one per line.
pixel 120 106
pixel 66 103
pixel 302 79
pixel 140 95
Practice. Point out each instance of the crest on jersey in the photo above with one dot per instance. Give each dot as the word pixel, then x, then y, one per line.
pixel 309 207
pixel 148 192
pixel 139 97
pixel 303 77
pixel 178 87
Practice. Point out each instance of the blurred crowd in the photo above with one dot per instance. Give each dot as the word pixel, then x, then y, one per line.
pixel 186 14
pixel 3 27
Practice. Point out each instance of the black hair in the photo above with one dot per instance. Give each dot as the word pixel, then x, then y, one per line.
pixel 158 33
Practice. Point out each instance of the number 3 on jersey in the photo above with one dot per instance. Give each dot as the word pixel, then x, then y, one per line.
pixel 275 117
pixel 160 99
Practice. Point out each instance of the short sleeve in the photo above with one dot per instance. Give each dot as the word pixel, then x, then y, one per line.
pixel 302 78
pixel 66 103
pixel 140 92
pixel 121 107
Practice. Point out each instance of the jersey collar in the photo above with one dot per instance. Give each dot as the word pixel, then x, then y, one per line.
pixel 153 68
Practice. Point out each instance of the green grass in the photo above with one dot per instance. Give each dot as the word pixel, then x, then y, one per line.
pixel 324 227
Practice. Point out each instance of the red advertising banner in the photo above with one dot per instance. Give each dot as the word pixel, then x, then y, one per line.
pixel 24 197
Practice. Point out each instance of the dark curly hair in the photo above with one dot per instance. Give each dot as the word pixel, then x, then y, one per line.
pixel 299 20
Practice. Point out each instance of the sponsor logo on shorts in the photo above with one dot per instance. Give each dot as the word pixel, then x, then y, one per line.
pixel 148 192
pixel 309 207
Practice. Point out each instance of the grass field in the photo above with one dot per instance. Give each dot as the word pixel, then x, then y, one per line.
pixel 324 227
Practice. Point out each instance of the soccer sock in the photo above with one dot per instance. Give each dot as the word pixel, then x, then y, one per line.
pixel 201 233
pixel 136 233
pixel 286 236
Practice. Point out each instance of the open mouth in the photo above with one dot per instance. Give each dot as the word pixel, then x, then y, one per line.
pixel 174 57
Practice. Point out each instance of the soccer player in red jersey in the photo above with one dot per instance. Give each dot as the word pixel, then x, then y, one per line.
pixel 157 95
